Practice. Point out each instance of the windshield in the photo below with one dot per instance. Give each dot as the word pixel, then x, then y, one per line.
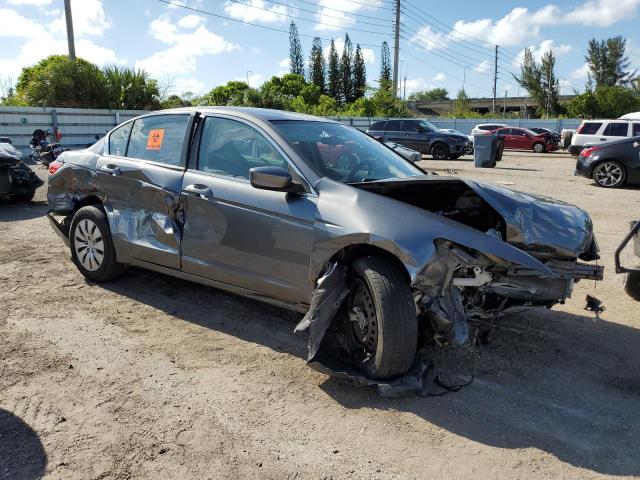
pixel 343 153
pixel 427 126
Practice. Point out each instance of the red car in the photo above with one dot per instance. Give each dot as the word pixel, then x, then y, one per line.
pixel 523 139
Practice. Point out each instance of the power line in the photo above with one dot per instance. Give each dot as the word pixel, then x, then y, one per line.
pixel 265 27
pixel 306 19
pixel 315 4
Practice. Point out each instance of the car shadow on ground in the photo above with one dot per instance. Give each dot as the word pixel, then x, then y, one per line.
pixel 12 211
pixel 22 456
pixel 567 385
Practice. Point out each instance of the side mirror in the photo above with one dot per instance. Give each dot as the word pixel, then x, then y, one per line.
pixel 273 178
pixel 636 144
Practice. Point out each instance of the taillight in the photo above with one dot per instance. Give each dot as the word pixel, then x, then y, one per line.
pixel 54 166
pixel 588 151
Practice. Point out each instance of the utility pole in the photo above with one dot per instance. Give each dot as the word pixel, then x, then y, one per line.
pixel 396 50
pixel 248 72
pixel 70 40
pixel 504 108
pixel 495 81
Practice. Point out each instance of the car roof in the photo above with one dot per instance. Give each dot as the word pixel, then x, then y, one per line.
pixel 264 114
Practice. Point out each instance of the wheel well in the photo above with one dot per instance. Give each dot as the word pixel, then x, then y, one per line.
pixel 352 252
pixel 439 142
pixel 86 201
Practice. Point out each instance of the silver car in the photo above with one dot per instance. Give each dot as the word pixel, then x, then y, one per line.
pixel 315 216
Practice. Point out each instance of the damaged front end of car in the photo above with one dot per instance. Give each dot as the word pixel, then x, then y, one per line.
pixel 480 252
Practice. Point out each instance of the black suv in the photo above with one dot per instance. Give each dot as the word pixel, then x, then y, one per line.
pixel 422 136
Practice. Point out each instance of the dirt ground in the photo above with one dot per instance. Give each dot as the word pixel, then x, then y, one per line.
pixel 151 377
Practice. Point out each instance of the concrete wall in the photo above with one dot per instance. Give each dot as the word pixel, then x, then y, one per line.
pixel 81 127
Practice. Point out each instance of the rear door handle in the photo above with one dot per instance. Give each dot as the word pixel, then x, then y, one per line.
pixel 111 169
pixel 198 190
pixel 603 139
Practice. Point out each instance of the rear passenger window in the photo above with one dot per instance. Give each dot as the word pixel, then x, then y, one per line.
pixel 636 130
pixel 158 138
pixel 409 126
pixel 377 126
pixel 118 140
pixel 617 130
pixel 590 128
pixel 394 126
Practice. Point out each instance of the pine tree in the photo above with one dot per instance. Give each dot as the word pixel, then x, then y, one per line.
pixel 385 66
pixel 359 74
pixel 607 62
pixel 296 61
pixel 346 70
pixel 317 66
pixel 550 84
pixel 333 74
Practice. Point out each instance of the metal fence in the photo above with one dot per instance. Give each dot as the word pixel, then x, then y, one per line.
pixel 81 127
pixel 78 127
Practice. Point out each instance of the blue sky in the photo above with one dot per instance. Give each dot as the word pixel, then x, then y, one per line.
pixel 443 42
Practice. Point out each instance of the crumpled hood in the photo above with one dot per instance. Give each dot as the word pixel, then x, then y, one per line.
pixel 538 223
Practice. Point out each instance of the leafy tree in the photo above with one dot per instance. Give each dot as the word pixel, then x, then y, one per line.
pixel 223 94
pixel 385 104
pixel 317 65
pixel 130 89
pixel 296 61
pixel 608 63
pixel 327 106
pixel 429 95
pixel 346 70
pixel 461 106
pixel 175 101
pixel 540 82
pixel 333 74
pixel 604 102
pixel 279 92
pixel 385 66
pixel 359 74
pixel 58 81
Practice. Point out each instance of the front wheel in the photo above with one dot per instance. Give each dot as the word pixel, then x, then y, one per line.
pixel 609 174
pixel 440 151
pixel 539 148
pixel 632 285
pixel 382 323
pixel 91 245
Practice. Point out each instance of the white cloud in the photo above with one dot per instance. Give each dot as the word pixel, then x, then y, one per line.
pixel 580 73
pixel 181 56
pixel 428 39
pixel 255 50
pixel 417 85
pixel 482 67
pixel 540 50
pixel 190 21
pixel 603 13
pixel 257 11
pixel 335 14
pixel 12 24
pixel 284 63
pixel 440 77
pixel 184 85
pixel 254 80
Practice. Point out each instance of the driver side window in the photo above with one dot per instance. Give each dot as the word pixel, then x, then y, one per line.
pixel 232 148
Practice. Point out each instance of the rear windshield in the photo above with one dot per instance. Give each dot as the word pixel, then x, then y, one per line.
pixel 377 126
pixel 590 128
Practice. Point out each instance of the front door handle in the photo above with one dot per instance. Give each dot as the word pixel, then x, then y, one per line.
pixel 111 169
pixel 603 139
pixel 198 190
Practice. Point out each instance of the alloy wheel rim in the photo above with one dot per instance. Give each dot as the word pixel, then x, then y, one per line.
pixel 608 174
pixel 439 153
pixel 89 244
pixel 362 317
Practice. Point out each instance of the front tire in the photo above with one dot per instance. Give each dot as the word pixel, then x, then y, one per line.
pixel 539 148
pixel 440 151
pixel 382 321
pixel 609 174
pixel 632 285
pixel 92 247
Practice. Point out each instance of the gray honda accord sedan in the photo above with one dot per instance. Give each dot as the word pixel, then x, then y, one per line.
pixel 318 217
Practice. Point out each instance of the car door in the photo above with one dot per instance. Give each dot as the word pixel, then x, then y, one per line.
pixel 393 132
pixel 236 234
pixel 414 137
pixel 520 139
pixel 505 133
pixel 140 178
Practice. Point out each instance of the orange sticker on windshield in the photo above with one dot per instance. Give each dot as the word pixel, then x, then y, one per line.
pixel 154 142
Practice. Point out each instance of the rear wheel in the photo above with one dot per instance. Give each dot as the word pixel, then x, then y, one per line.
pixel 609 174
pixel 91 245
pixel 382 324
pixel 27 196
pixel 539 148
pixel 440 151
pixel 632 285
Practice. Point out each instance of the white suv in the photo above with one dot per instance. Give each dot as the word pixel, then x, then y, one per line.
pixel 600 131
pixel 484 128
